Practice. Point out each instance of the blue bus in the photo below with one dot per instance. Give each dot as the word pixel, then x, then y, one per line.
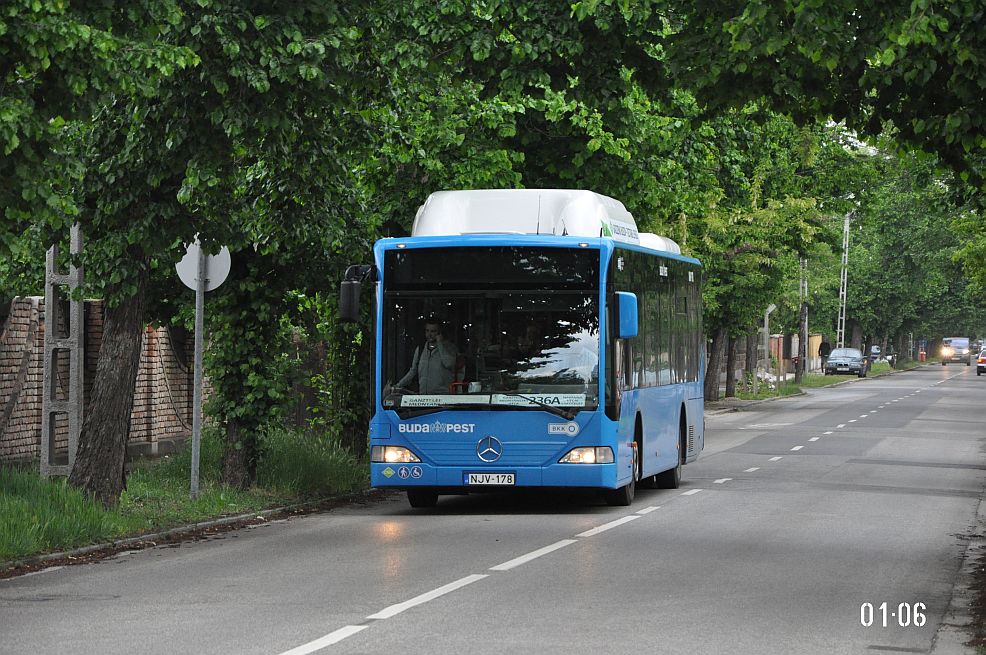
pixel 532 338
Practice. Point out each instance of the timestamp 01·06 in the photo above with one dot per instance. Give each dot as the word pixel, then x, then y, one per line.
pixel 884 615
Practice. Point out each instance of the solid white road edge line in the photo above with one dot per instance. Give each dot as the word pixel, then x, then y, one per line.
pixel 393 610
pixel 327 640
pixel 608 526
pixel 524 559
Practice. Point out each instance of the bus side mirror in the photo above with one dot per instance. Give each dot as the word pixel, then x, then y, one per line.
pixel 349 291
pixel 627 307
pixel 349 301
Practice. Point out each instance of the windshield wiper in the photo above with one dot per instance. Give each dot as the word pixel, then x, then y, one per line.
pixel 414 413
pixel 567 414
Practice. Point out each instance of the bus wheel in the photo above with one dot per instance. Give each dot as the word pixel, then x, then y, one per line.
pixel 422 498
pixel 623 496
pixel 671 479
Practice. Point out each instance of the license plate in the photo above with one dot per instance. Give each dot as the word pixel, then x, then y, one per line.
pixel 842 368
pixel 491 479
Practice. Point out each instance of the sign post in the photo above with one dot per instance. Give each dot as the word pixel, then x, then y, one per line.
pixel 202 273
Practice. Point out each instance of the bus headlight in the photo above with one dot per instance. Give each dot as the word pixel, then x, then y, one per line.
pixel 392 455
pixel 588 455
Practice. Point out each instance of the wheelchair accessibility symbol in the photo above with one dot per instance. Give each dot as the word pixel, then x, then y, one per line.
pixel 416 472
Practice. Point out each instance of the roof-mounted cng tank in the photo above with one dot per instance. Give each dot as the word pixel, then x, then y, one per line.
pixel 559 212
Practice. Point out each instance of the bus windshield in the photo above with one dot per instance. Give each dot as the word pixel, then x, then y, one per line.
pixel 493 327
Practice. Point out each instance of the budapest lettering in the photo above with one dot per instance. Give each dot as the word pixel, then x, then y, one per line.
pixel 437 426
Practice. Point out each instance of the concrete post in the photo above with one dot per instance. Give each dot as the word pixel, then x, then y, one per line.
pixel 57 285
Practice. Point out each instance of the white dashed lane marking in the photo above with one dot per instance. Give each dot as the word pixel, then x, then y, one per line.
pixel 524 559
pixel 607 526
pixel 752 469
pixel 327 640
pixel 797 448
pixel 394 610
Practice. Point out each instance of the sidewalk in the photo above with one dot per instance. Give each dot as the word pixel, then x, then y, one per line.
pixel 724 405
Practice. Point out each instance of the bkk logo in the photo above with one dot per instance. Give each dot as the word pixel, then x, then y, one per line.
pixel 437 426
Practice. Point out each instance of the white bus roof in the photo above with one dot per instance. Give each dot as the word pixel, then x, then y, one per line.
pixel 560 212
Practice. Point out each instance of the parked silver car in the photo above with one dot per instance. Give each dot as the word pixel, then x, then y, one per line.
pixel 847 360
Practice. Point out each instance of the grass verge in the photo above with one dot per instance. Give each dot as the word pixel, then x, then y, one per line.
pixel 40 516
pixel 818 380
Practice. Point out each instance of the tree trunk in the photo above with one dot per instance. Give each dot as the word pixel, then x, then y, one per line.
pixel 751 355
pixel 731 367
pixel 714 367
pixel 239 457
pixel 799 370
pixel 856 340
pixel 99 460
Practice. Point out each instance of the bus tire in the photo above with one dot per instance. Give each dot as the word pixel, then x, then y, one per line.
pixel 650 481
pixel 422 498
pixel 623 496
pixel 671 479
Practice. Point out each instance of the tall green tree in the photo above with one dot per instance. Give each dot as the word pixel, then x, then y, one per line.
pixel 242 150
pixel 919 65
pixel 60 61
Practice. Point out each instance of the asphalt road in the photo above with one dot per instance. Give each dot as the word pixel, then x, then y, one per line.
pixel 799 512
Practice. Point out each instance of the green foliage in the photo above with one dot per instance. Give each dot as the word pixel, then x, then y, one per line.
pixel 38 515
pixel 308 463
pixel 917 64
pixel 902 277
pixel 62 61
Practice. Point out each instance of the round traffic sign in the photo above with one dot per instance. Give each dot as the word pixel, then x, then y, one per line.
pixel 216 267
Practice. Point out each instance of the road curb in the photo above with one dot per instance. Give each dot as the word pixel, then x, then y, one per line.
pixel 750 403
pixel 958 623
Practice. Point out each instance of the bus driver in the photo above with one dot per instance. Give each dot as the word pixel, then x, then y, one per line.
pixel 433 363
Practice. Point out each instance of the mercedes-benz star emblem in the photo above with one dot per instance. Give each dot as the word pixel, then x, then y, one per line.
pixel 489 449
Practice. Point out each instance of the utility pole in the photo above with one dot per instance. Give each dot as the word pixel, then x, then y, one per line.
pixel 802 367
pixel 840 335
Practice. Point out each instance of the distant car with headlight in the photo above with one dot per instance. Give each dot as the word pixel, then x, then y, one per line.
pixel 847 360
pixel 956 350
pixel 981 362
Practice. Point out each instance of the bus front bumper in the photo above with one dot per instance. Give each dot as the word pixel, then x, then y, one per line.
pixel 405 476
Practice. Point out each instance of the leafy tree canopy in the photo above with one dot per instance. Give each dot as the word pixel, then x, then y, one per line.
pixel 919 64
